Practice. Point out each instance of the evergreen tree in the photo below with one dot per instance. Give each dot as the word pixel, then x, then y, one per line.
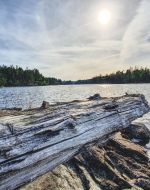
pixel 16 76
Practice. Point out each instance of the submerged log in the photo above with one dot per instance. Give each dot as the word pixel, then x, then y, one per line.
pixel 33 142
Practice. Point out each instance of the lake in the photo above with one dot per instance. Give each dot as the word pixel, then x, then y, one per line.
pixel 31 97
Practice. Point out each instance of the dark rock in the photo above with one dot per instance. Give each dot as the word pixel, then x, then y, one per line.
pixel 138 131
pixel 95 97
pixel 45 105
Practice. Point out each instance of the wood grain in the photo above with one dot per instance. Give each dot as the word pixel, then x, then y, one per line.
pixel 33 142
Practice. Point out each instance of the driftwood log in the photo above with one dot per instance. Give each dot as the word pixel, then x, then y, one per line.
pixel 33 142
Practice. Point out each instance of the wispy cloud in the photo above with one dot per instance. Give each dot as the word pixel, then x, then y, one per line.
pixel 64 39
pixel 137 36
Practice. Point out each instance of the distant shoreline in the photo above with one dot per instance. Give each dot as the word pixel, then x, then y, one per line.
pixel 74 84
pixel 18 77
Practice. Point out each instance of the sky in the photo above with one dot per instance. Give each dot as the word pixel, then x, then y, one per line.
pixel 64 38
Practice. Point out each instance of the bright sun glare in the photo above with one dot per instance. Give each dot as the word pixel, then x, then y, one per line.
pixel 104 16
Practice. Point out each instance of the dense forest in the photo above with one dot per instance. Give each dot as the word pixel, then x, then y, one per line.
pixel 132 75
pixel 16 76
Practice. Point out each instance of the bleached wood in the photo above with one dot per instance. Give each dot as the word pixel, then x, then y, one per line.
pixel 35 142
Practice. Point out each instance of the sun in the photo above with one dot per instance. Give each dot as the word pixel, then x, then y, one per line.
pixel 104 16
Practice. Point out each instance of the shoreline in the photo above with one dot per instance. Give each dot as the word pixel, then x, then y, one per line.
pixel 75 85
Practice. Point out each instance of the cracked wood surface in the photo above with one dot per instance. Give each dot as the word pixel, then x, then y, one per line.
pixel 33 142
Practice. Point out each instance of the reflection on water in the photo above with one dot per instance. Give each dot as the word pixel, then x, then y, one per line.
pixel 26 97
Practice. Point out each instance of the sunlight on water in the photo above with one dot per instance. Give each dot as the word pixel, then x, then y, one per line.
pixel 30 97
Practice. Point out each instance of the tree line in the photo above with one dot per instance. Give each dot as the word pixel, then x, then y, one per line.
pixel 16 76
pixel 132 75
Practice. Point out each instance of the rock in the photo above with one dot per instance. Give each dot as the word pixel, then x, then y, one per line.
pixel 138 131
pixel 45 105
pixel 95 97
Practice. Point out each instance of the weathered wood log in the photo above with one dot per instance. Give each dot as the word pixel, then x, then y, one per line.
pixel 34 142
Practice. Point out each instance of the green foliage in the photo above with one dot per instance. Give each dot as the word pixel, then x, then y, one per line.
pixel 16 76
pixel 135 75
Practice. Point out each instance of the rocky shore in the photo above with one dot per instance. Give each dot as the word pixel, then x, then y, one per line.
pixel 119 163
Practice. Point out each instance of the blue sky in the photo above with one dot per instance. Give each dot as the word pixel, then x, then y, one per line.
pixel 64 39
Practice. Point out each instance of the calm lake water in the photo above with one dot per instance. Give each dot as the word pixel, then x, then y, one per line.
pixel 27 97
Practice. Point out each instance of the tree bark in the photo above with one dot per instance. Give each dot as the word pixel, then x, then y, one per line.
pixel 33 142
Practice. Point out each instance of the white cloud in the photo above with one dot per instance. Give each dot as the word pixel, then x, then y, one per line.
pixel 137 35
pixel 63 38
